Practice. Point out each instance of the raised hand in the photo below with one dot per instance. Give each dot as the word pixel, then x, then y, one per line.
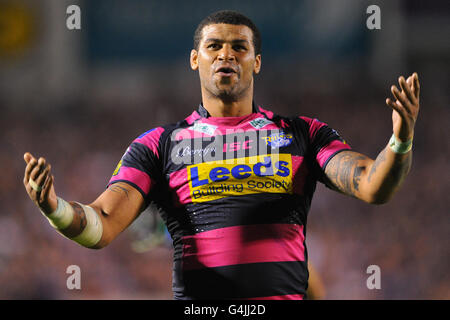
pixel 38 182
pixel 405 107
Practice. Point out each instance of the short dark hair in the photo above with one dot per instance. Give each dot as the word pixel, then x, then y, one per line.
pixel 228 17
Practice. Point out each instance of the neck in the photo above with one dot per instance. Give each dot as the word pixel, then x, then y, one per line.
pixel 219 108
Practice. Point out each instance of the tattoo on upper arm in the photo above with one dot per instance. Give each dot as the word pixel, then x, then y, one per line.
pixel 381 158
pixel 118 189
pixel 357 177
pixel 344 173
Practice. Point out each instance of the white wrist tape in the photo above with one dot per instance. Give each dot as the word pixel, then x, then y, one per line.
pixel 93 231
pixel 398 146
pixel 62 217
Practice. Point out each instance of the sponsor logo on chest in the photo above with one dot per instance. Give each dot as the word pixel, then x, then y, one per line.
pixel 249 175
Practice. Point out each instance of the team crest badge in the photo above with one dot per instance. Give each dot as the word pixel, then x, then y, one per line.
pixel 278 140
pixel 260 123
pixel 203 128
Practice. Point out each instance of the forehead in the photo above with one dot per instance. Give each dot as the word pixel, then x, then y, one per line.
pixel 227 32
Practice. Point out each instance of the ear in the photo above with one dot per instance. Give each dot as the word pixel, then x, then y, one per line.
pixel 257 66
pixel 194 59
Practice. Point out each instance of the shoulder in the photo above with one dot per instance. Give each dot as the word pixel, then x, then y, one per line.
pixel 284 122
pixel 313 124
pixel 159 134
pixel 307 122
pixel 303 126
pixel 154 139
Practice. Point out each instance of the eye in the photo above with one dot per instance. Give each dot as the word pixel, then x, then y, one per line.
pixel 239 47
pixel 213 46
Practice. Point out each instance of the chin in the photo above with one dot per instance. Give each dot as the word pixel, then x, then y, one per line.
pixel 227 97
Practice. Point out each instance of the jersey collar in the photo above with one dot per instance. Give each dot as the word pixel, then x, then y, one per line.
pixel 205 114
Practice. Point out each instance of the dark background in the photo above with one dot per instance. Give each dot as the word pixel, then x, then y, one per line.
pixel 79 97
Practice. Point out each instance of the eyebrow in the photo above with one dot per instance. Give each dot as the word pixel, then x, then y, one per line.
pixel 235 41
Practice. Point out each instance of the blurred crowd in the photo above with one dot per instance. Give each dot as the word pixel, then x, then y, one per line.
pixel 407 238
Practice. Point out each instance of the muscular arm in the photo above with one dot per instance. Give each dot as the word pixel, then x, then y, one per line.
pixel 373 181
pixel 116 207
pixel 376 181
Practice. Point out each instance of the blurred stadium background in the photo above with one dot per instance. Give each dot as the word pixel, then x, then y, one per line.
pixel 80 97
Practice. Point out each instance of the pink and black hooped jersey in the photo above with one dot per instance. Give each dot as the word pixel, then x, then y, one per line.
pixel 234 193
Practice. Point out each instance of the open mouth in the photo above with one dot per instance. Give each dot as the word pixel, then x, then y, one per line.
pixel 225 71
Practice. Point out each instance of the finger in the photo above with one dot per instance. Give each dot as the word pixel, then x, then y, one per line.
pixel 46 189
pixel 407 90
pixel 413 89
pixel 40 197
pixel 27 157
pixel 416 85
pixel 401 97
pixel 31 192
pixel 35 172
pixel 409 81
pixel 395 106
pixel 38 169
pixel 30 166
pixel 41 161
pixel 40 180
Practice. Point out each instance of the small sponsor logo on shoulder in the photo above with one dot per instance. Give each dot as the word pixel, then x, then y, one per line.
pixel 278 140
pixel 119 165
pixel 203 128
pixel 339 136
pixel 260 123
pixel 126 151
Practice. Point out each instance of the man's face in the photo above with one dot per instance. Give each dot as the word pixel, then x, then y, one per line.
pixel 226 60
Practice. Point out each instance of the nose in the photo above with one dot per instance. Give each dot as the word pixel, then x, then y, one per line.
pixel 226 53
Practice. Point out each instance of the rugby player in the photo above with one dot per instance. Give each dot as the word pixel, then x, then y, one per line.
pixel 234 180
